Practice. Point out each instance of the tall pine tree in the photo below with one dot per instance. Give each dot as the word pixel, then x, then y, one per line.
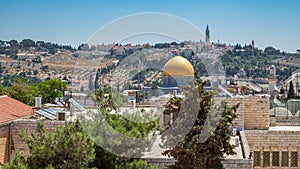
pixel 208 140
pixel 291 93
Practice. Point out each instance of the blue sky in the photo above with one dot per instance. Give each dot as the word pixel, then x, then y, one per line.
pixel 269 22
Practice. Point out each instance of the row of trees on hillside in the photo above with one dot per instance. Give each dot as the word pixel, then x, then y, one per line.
pixel 254 63
pixel 10 48
pixel 7 80
pixel 248 50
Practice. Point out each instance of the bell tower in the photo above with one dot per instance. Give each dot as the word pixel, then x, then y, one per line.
pixel 272 79
pixel 207 35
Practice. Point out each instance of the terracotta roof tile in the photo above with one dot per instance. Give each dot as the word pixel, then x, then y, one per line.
pixel 11 109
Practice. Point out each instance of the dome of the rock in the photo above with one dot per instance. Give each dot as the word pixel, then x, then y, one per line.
pixel 178 66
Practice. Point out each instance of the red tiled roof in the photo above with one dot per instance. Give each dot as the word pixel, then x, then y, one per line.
pixel 11 109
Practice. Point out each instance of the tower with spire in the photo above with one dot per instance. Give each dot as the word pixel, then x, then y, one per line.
pixel 207 36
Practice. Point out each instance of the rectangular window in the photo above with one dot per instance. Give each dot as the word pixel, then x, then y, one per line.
pixel 294 159
pixel 285 159
pixel 256 158
pixel 275 158
pixel 266 158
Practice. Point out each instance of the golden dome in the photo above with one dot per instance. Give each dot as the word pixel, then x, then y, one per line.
pixel 178 66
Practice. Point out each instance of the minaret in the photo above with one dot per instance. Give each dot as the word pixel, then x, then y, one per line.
pixel 272 79
pixel 207 36
pixel 252 45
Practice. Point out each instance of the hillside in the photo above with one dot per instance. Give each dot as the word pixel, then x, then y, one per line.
pixel 81 67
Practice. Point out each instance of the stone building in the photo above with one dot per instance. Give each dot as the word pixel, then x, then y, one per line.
pixel 10 110
pixel 275 146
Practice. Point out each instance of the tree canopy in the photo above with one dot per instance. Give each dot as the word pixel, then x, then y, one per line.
pixel 50 89
pixel 203 146
pixel 21 90
pixel 24 91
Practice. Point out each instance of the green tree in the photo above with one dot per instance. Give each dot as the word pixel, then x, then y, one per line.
pixel 27 43
pixel 1 89
pixel 93 47
pixel 123 124
pixel 141 95
pixel 18 162
pixel 35 72
pixel 291 93
pixel 84 47
pixel 97 79
pixel 21 90
pixel 271 51
pixel 1 69
pixel 37 60
pixel 50 89
pixel 91 83
pixel 68 147
pixel 13 43
pixel 192 152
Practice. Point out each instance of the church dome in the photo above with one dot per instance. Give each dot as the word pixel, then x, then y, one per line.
pixel 178 66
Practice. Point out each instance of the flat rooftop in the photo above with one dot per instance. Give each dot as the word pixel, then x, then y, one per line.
pixel 237 149
pixel 156 150
pixel 285 128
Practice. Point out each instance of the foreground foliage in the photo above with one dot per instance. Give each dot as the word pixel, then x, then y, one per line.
pixel 73 146
pixel 68 147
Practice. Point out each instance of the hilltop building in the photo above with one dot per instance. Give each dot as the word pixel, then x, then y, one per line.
pixel 207 35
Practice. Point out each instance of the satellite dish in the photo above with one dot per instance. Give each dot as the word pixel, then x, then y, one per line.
pixel 276 88
pixel 255 87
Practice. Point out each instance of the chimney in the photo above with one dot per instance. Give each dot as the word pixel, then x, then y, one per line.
pixel 66 95
pixel 56 99
pixel 234 132
pixel 66 99
pixel 38 102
